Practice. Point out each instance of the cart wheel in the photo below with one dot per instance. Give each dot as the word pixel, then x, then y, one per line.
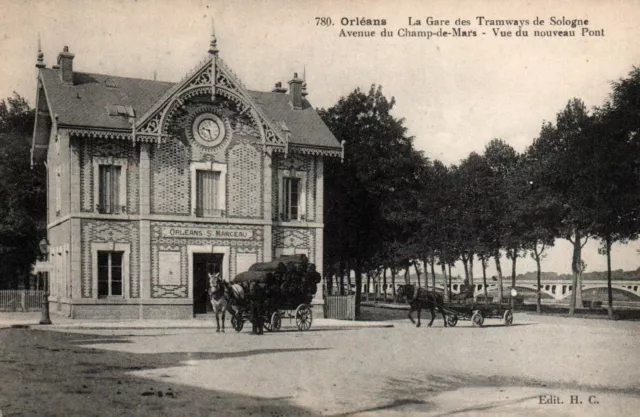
pixel 508 317
pixel 266 322
pixel 304 317
pixel 477 318
pixel 276 321
pixel 237 322
pixel 452 320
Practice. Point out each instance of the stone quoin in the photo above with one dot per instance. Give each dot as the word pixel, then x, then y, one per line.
pixel 151 185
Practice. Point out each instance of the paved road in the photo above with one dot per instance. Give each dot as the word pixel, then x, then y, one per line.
pixel 527 368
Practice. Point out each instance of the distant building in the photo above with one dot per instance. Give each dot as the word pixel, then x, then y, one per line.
pixel 152 184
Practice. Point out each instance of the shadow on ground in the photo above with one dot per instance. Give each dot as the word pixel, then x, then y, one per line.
pixel 81 381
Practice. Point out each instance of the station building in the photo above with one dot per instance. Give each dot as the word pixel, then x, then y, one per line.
pixel 151 184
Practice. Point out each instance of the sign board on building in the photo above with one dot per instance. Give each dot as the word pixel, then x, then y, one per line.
pixel 169 268
pixel 206 232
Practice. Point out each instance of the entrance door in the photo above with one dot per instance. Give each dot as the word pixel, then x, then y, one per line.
pixel 202 264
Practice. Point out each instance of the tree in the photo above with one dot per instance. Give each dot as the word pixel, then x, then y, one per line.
pixel 503 162
pixel 366 194
pixel 566 172
pixel 22 194
pixel 614 144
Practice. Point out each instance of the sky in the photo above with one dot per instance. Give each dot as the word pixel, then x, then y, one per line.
pixel 455 93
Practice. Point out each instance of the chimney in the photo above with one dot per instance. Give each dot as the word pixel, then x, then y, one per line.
pixel 65 62
pixel 279 88
pixel 295 89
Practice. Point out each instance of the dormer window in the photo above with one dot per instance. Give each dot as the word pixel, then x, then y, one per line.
pixel 120 110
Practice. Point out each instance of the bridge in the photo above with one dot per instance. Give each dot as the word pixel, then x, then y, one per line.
pixel 592 290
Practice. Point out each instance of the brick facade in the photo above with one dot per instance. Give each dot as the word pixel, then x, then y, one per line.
pixel 158 229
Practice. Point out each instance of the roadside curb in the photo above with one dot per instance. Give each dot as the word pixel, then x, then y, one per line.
pixel 385 305
pixel 332 325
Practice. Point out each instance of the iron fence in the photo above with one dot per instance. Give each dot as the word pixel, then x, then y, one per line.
pixel 341 307
pixel 21 300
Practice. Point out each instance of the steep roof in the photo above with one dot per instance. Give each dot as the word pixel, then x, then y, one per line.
pixel 86 104
pixel 305 125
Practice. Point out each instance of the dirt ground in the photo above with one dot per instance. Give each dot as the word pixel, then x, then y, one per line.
pixel 536 367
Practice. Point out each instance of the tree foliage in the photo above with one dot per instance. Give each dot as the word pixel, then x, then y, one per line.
pixel 390 208
pixel 22 194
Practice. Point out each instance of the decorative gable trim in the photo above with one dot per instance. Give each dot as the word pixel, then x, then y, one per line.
pixel 210 77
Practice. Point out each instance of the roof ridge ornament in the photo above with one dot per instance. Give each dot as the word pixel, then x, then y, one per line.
pixel 40 62
pixel 213 46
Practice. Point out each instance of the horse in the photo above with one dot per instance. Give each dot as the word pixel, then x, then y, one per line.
pixel 429 300
pixel 249 296
pixel 219 296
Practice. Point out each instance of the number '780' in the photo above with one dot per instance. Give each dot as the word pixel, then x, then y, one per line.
pixel 323 21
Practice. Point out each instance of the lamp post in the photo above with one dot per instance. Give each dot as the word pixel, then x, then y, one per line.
pixel 44 318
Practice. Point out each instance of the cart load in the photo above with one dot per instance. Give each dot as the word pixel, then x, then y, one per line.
pixel 279 265
pixel 252 276
pixel 285 283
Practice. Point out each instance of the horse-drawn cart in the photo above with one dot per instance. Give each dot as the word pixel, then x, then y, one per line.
pixel 464 308
pixel 272 318
pixel 477 312
pixel 276 290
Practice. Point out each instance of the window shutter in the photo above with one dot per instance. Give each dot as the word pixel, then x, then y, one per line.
pixel 109 188
pixel 115 189
pixel 207 185
pixel 103 188
pixel 291 198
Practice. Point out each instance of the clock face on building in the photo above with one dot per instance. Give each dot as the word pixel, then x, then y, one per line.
pixel 208 129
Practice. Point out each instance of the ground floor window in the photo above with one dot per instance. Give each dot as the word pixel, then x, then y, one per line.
pixel 110 273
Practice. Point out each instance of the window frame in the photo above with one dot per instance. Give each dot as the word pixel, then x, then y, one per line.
pixel 125 248
pixel 222 189
pixel 302 194
pixel 122 192
pixel 110 270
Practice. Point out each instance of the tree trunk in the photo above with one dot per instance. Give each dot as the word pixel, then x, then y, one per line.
pixel 466 267
pixel 341 289
pixel 496 257
pixel 368 284
pixel 415 266
pixel 384 286
pixel 579 299
pixel 514 259
pixel 609 289
pixel 393 284
pixel 539 285
pixel 358 289
pixel 576 287
pixel 433 274
pixel 406 276
pixel 425 262
pixel 349 278
pixel 484 279
pixel 449 279
pixel 471 268
pixel 447 290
